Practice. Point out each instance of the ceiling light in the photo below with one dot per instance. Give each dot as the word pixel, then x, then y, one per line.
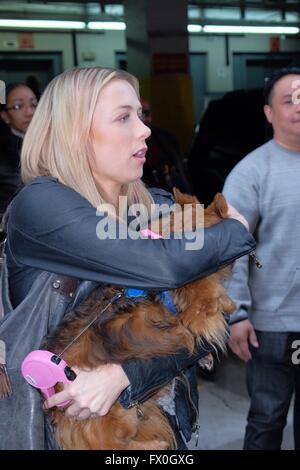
pixel 108 25
pixel 42 24
pixel 194 28
pixel 250 29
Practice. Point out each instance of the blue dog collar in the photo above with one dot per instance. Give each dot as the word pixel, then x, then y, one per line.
pixel 131 292
pixel 167 300
pixel 165 297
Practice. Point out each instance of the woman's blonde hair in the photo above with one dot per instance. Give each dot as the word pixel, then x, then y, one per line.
pixel 58 140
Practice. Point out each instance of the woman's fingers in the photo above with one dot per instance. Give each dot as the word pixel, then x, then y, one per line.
pixel 57 399
pixel 92 392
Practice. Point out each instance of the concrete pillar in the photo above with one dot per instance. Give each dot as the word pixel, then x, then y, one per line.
pixel 158 54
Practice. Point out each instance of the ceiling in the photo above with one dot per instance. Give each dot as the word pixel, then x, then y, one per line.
pixel 239 11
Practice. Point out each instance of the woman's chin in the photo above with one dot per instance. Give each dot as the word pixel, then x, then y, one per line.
pixel 136 177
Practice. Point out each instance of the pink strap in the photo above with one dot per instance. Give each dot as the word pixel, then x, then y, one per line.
pixel 148 233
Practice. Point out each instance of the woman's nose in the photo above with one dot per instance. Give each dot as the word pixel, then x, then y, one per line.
pixel 29 110
pixel 144 130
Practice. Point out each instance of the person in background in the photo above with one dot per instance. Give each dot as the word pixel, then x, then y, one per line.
pixel 164 166
pixel 222 139
pixel 265 187
pixel 16 116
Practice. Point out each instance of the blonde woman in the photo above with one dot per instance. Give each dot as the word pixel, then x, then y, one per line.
pixel 86 146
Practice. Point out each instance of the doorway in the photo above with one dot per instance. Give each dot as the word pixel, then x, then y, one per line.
pixel 26 67
pixel 250 69
pixel 198 74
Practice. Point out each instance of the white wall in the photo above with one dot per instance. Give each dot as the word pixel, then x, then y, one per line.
pixel 50 42
pixel 99 49
pixel 219 75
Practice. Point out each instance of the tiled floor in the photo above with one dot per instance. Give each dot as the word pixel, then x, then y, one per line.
pixel 223 409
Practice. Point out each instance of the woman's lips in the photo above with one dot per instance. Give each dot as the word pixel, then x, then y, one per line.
pixel 141 154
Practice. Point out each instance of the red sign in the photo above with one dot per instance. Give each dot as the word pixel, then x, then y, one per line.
pixel 275 44
pixel 26 41
pixel 170 63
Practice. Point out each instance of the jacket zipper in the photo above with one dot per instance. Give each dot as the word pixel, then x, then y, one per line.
pixel 196 425
pixel 137 403
pixel 139 412
pixel 188 386
pixel 248 252
pixel 141 416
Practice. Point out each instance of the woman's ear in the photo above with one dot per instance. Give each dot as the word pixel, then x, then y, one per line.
pixel 4 116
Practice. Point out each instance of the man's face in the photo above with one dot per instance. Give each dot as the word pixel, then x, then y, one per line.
pixel 283 114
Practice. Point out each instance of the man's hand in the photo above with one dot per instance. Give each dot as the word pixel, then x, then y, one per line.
pixel 241 334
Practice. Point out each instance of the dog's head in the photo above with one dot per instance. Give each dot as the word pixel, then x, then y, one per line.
pixel 214 213
pixel 189 214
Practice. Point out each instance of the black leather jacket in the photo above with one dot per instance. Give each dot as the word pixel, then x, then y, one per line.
pixel 52 229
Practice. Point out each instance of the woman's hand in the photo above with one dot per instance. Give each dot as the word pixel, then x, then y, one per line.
pixel 93 392
pixel 234 214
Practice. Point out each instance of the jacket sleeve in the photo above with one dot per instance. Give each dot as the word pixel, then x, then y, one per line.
pixel 53 228
pixel 146 377
pixel 242 191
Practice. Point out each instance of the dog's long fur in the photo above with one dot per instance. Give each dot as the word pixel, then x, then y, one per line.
pixel 143 329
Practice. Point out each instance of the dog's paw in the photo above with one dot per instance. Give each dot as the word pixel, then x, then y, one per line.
pixel 158 445
pixel 154 444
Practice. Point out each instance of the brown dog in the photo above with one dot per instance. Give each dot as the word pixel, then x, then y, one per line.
pixel 139 329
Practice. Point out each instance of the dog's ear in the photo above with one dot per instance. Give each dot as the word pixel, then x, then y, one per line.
pixel 221 206
pixel 178 195
pixel 182 198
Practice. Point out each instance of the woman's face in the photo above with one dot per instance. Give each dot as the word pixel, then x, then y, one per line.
pixel 118 136
pixel 20 107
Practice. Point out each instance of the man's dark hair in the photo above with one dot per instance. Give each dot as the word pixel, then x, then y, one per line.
pixel 273 79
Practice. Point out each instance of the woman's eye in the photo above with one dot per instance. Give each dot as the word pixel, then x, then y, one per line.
pixel 124 118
